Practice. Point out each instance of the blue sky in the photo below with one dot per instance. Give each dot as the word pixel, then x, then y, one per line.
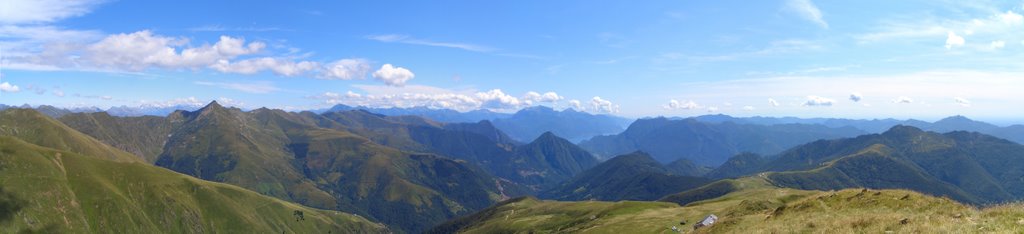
pixel 857 59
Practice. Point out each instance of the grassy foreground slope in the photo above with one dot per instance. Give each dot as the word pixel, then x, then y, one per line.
pixel 37 128
pixel 56 191
pixel 752 206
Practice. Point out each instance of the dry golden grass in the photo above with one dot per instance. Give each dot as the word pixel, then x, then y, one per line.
pixel 758 207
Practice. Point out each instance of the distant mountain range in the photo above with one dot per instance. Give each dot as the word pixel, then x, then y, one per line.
pixel 525 125
pixel 952 123
pixel 967 166
pixel 707 143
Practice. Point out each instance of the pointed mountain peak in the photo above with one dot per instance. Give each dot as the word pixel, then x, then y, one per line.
pixel 206 110
pixel 549 137
pixel 212 105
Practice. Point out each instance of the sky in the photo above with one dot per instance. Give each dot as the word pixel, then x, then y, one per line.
pixel 804 58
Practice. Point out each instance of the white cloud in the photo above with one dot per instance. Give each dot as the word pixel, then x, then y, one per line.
pixel 8 87
pixel 601 105
pixel 57 92
pixel 346 69
pixel 43 11
pixel 278 66
pixel 712 109
pixel 230 102
pixel 997 89
pixel 495 99
pixel 903 100
pixel 748 108
pixel 549 97
pixel 453 101
pixel 576 104
pixel 394 76
pixel 259 87
pixel 806 10
pixel 385 96
pixel 818 101
pixel 351 94
pixel 141 50
pixel 676 105
pixel 1011 18
pixel 856 97
pixel 192 102
pixel 952 40
pixel 984 22
pixel 772 102
pixel 962 102
pixel 56 49
pixel 394 38
pixel 997 44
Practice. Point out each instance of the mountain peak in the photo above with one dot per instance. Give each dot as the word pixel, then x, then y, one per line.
pixel 213 104
pixel 548 136
pixel 955 118
pixel 903 130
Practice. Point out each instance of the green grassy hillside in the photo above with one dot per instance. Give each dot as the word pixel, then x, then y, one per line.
pixel 634 176
pixel 56 191
pixel 290 157
pixel 143 136
pixel 36 128
pixel 970 167
pixel 751 206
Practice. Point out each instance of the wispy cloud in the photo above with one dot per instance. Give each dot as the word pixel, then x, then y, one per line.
pixel 889 95
pixel 806 10
pixel 395 38
pixel 250 87
pixel 43 11
pixel 986 23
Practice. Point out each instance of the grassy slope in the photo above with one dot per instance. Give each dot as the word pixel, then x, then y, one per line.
pixel 287 156
pixel 143 136
pixel 32 126
pixel 60 191
pixel 753 207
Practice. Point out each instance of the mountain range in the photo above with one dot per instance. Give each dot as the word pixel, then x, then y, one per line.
pixel 970 167
pixel 54 179
pixel 408 172
pixel 634 176
pixel 706 143
pixel 953 123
